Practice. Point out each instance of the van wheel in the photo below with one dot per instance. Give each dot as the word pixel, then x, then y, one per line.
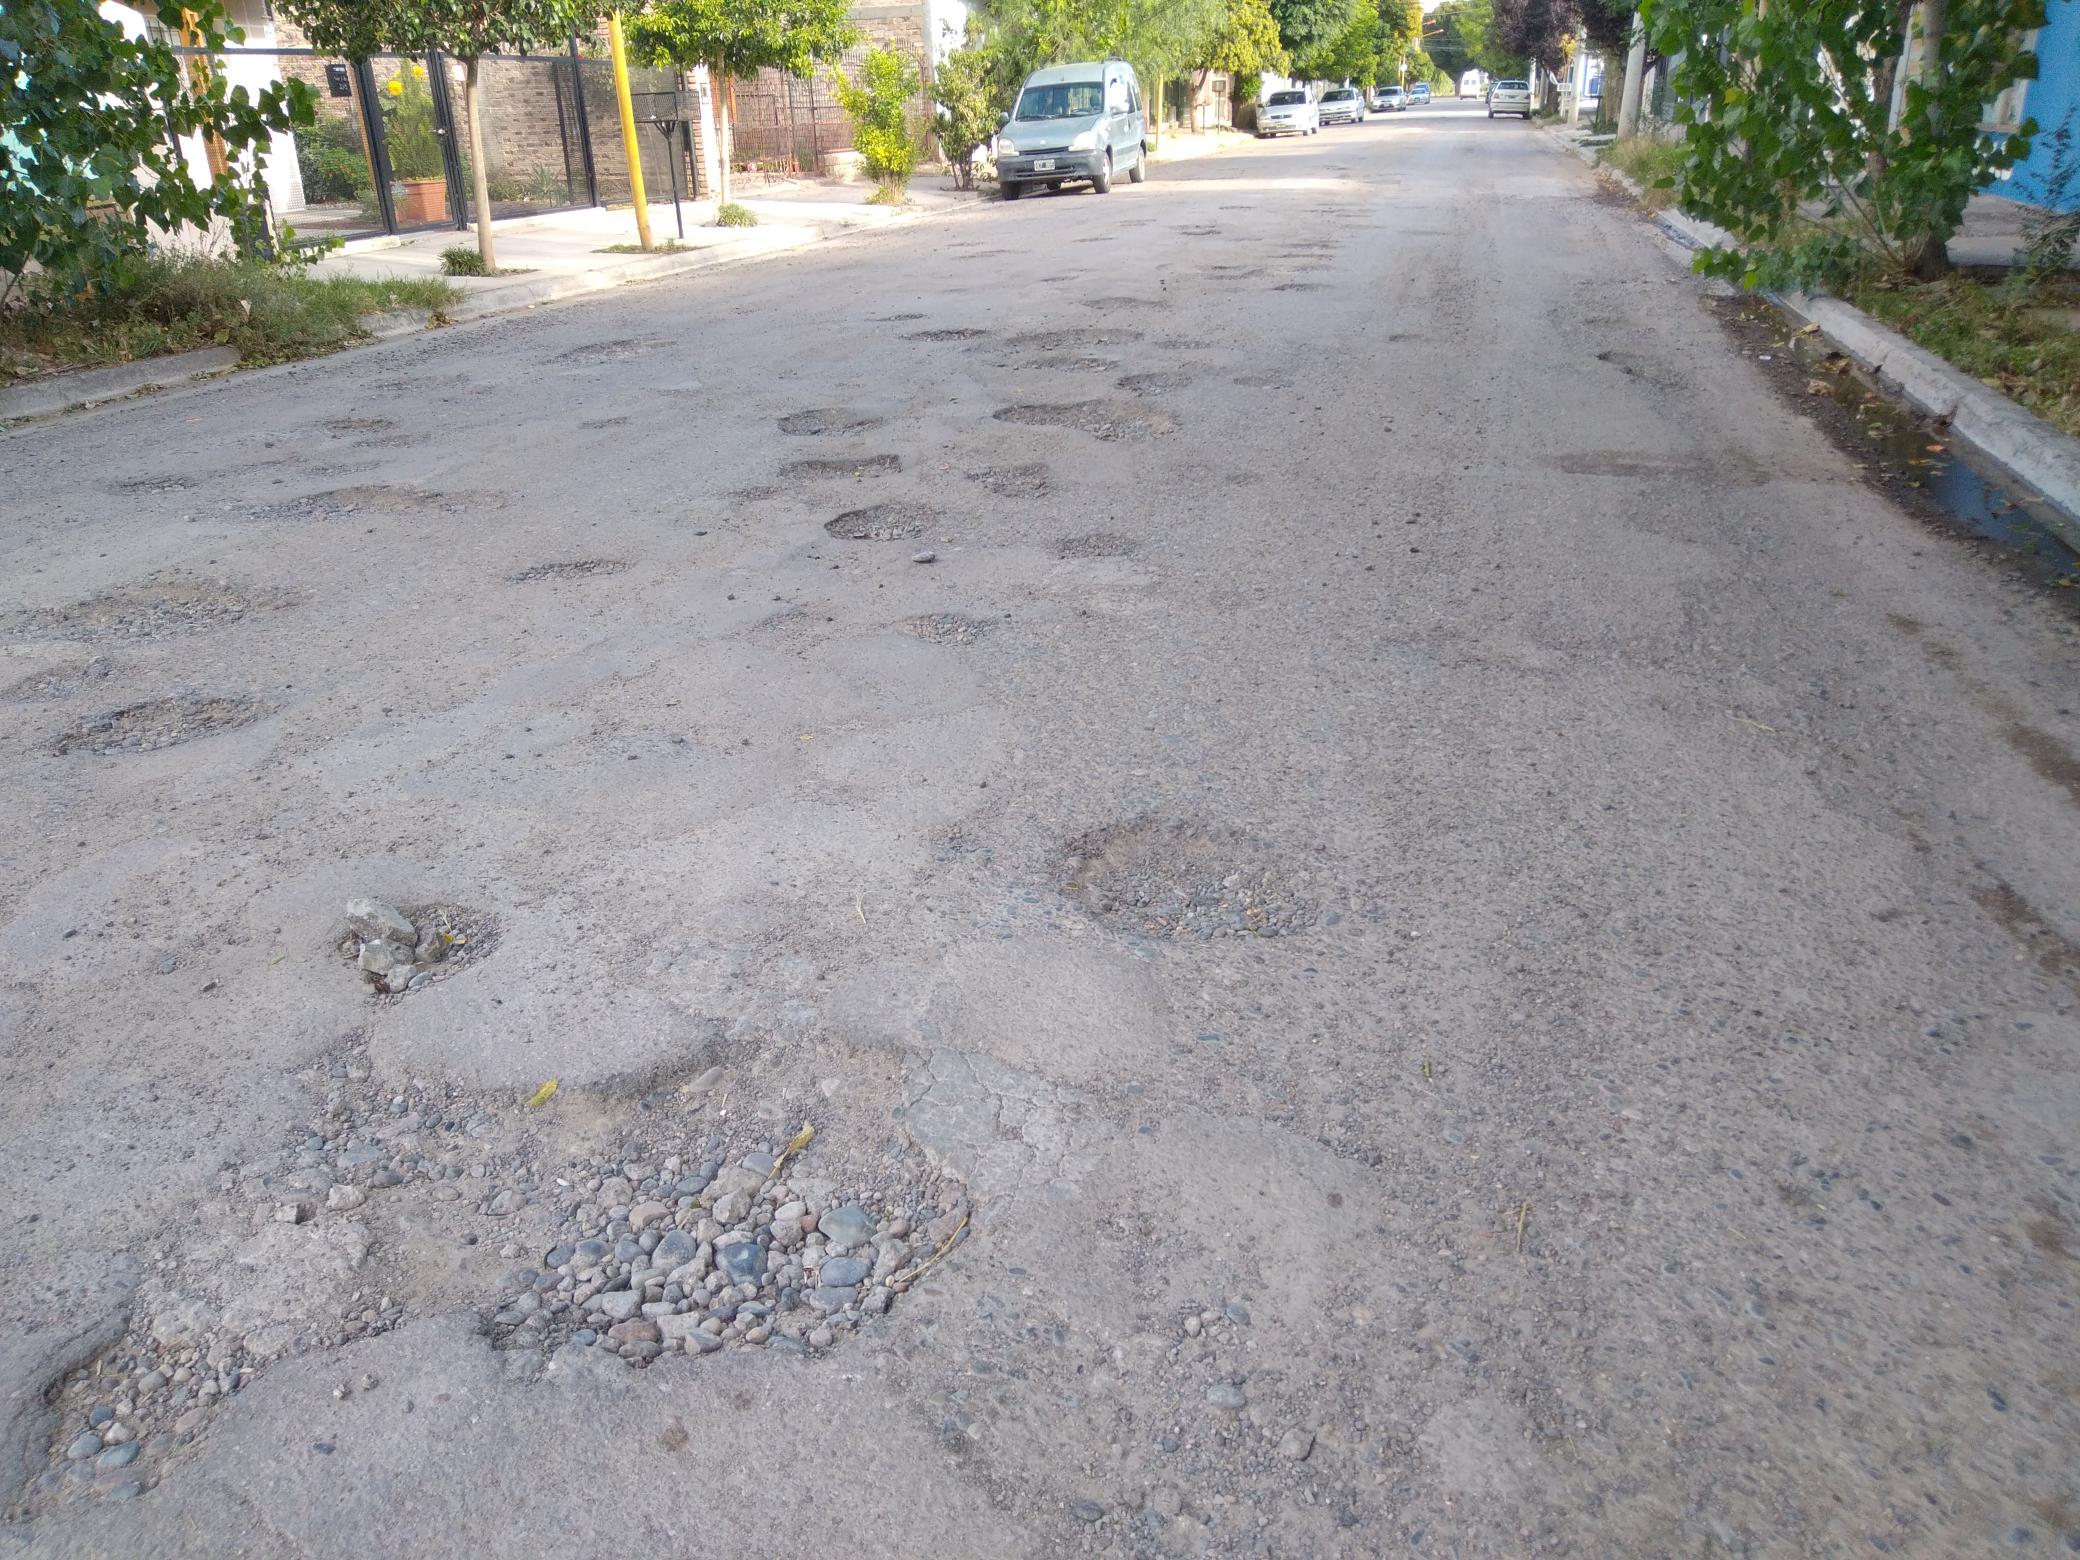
pixel 1101 181
pixel 1138 174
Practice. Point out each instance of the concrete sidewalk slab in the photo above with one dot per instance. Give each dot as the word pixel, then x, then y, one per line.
pixel 39 397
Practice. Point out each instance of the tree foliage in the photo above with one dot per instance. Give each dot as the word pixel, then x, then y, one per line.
pixel 1247 43
pixel 89 166
pixel 739 38
pixel 879 101
pixel 1461 37
pixel 1308 27
pixel 1792 146
pixel 964 89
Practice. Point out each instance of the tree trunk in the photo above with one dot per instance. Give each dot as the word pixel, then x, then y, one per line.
pixel 1926 253
pixel 726 117
pixel 479 181
pixel 1635 81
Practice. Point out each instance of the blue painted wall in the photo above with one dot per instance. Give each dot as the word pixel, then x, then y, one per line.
pixel 2053 96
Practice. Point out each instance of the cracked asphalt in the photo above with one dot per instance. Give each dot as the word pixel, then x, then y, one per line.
pixel 1649 1130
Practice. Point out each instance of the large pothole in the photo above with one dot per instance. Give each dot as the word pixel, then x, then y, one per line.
pixel 1174 880
pixel 821 466
pixel 1031 479
pixel 575 569
pixel 161 723
pixel 369 499
pixel 947 628
pixel 899 521
pixel 827 420
pixel 1112 421
pixel 150 609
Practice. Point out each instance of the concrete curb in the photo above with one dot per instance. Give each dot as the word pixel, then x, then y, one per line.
pixel 86 386
pixel 2022 445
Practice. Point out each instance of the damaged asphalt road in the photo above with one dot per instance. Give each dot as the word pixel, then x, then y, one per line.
pixel 1411 938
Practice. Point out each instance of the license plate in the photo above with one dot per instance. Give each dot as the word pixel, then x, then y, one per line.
pixel 1043 165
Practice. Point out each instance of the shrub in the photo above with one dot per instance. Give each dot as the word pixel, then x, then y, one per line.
pixel 462 260
pixel 730 214
pixel 880 104
pixel 331 160
pixel 964 86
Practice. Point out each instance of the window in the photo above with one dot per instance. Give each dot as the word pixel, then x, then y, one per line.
pixel 1061 100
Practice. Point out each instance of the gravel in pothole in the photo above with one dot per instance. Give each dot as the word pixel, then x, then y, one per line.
pixel 951 333
pixel 1072 365
pixel 892 522
pixel 577 569
pixel 161 723
pixel 1173 880
pixel 947 628
pixel 668 1234
pixel 689 1247
pixel 398 951
pixel 1029 480
pixel 1097 544
pixel 827 420
pixel 375 499
pixel 1156 381
pixel 1055 340
pixel 1111 421
pixel 149 609
pixel 819 466
pixel 57 682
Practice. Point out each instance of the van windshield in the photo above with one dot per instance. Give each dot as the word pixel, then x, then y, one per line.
pixel 1062 100
pixel 1279 99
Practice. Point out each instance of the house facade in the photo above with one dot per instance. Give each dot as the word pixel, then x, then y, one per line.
pixel 2052 100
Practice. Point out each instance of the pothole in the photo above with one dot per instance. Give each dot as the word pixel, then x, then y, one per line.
pixel 1112 421
pixel 619 350
pixel 595 423
pixel 1031 479
pixel 1263 379
pixel 842 466
pixel 1123 302
pixel 345 425
pixel 893 522
pixel 1055 340
pixel 1156 381
pixel 1073 365
pixel 1164 879
pixel 827 420
pixel 947 628
pixel 150 609
pixel 1300 287
pixel 57 682
pixel 949 333
pixel 373 498
pixel 1097 544
pixel 162 482
pixel 576 569
pixel 660 1228
pixel 161 723
pixel 399 951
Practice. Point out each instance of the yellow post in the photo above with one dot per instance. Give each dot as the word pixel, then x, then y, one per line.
pixel 628 126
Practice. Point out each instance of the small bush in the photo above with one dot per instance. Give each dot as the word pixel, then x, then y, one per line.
pixel 880 103
pixel 462 260
pixel 730 214
pixel 889 194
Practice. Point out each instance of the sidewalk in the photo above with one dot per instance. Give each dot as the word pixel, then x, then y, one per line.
pixel 564 254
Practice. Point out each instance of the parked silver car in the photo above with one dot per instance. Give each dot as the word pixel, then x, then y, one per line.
pixel 1388 100
pixel 1080 123
pixel 1340 106
pixel 1419 94
pixel 1287 112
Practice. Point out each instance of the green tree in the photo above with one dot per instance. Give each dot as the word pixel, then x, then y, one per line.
pixel 467 29
pixel 1307 27
pixel 1461 37
pixel 1156 37
pixel 879 100
pixel 1793 146
pixel 738 38
pixel 89 160
pixel 1246 45
pixel 964 88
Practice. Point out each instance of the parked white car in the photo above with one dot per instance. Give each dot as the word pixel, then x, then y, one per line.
pixel 1288 112
pixel 1388 100
pixel 1341 106
pixel 1510 97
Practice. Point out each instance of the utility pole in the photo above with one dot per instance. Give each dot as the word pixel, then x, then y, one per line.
pixel 1635 81
pixel 619 51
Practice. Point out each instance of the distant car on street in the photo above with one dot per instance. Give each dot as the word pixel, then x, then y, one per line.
pixel 1389 100
pixel 1287 112
pixel 1419 94
pixel 1510 97
pixel 1341 106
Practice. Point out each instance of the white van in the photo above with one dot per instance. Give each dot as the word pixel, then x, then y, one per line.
pixel 1080 123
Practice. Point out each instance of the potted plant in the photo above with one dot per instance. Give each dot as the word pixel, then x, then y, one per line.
pixel 420 190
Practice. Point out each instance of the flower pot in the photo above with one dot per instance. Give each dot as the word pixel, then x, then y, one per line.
pixel 421 200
